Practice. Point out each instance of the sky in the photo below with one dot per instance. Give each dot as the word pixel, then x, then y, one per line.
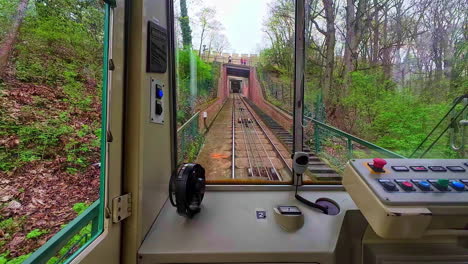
pixel 242 20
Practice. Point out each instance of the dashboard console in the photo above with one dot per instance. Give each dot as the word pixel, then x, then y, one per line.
pixel 410 198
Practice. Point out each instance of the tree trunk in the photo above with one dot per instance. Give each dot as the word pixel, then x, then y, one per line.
pixel 201 42
pixel 329 45
pixel 7 45
pixel 376 35
pixel 386 51
pixel 350 35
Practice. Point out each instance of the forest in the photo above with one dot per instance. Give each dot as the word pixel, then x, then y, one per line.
pixel 50 111
pixel 384 70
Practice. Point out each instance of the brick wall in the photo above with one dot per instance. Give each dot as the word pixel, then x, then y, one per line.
pixel 255 94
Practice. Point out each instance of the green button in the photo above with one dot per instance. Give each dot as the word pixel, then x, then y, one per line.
pixel 443 183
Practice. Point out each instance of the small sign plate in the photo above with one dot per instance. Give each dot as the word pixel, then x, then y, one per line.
pixel 260 214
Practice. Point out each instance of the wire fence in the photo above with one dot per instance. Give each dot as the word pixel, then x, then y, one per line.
pixel 189 140
pixel 278 92
pixel 337 146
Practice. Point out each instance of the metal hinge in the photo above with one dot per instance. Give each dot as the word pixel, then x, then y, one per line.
pixel 109 136
pixel 111 65
pixel 121 207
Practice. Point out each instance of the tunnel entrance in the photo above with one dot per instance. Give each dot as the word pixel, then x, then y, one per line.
pixel 236 86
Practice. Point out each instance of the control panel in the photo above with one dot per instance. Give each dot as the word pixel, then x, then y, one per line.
pixel 400 182
pixel 156 103
pixel 406 198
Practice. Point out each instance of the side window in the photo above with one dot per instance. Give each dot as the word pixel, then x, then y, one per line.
pixel 235 70
pixel 52 115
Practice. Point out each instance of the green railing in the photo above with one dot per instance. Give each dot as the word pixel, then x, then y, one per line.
pixel 189 140
pixel 337 146
pixel 454 121
pixel 71 240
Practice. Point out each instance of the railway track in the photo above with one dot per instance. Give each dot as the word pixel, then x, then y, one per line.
pixel 316 166
pixel 254 144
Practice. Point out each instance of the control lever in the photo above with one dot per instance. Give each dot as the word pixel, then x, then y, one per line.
pixel 300 163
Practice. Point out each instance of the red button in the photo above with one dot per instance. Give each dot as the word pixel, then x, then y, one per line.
pixel 379 163
pixel 407 184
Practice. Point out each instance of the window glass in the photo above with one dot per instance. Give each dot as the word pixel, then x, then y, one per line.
pixel 51 65
pixel 235 68
pixel 379 77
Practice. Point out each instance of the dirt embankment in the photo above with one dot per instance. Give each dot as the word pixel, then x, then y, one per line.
pixel 40 194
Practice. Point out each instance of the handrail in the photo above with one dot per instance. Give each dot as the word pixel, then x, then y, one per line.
pixel 182 127
pixel 455 104
pixel 59 240
pixel 350 138
pixel 443 132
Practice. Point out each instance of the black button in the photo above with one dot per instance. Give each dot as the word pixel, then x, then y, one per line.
pixel 389 185
pixel 465 182
pixel 437 168
pixel 466 164
pixel 159 108
pixel 400 168
pixel 456 168
pixel 418 168
pixel 406 185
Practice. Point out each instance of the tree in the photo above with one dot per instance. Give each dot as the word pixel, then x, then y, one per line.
pixel 221 43
pixel 185 25
pixel 206 22
pixel 9 41
pixel 354 32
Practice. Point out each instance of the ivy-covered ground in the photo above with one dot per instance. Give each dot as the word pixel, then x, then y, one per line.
pixel 50 162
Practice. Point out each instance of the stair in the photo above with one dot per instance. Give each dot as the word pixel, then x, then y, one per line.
pixel 316 166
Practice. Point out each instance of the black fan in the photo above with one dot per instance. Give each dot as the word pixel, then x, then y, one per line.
pixel 187 188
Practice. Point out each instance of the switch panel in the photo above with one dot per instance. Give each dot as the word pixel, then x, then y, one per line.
pixel 405 200
pixel 156 101
pixel 417 181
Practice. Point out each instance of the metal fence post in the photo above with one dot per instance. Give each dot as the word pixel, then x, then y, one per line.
pixel 350 148
pixel 317 138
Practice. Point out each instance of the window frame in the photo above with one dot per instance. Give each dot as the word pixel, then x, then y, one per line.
pixel 298 109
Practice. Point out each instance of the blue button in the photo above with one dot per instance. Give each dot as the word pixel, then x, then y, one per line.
pixel 159 93
pixel 458 185
pixel 424 184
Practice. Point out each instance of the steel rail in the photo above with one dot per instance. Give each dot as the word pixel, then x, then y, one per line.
pixel 256 154
pixel 233 162
pixel 245 142
pixel 269 139
pixel 267 156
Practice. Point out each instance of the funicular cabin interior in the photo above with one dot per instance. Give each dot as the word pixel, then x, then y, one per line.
pixel 261 194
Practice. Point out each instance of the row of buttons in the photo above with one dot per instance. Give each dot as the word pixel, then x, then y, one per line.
pixel 424 185
pixel 432 168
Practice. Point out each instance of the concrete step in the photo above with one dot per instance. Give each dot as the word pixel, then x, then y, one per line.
pixel 316 162
pixel 328 176
pixel 320 169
